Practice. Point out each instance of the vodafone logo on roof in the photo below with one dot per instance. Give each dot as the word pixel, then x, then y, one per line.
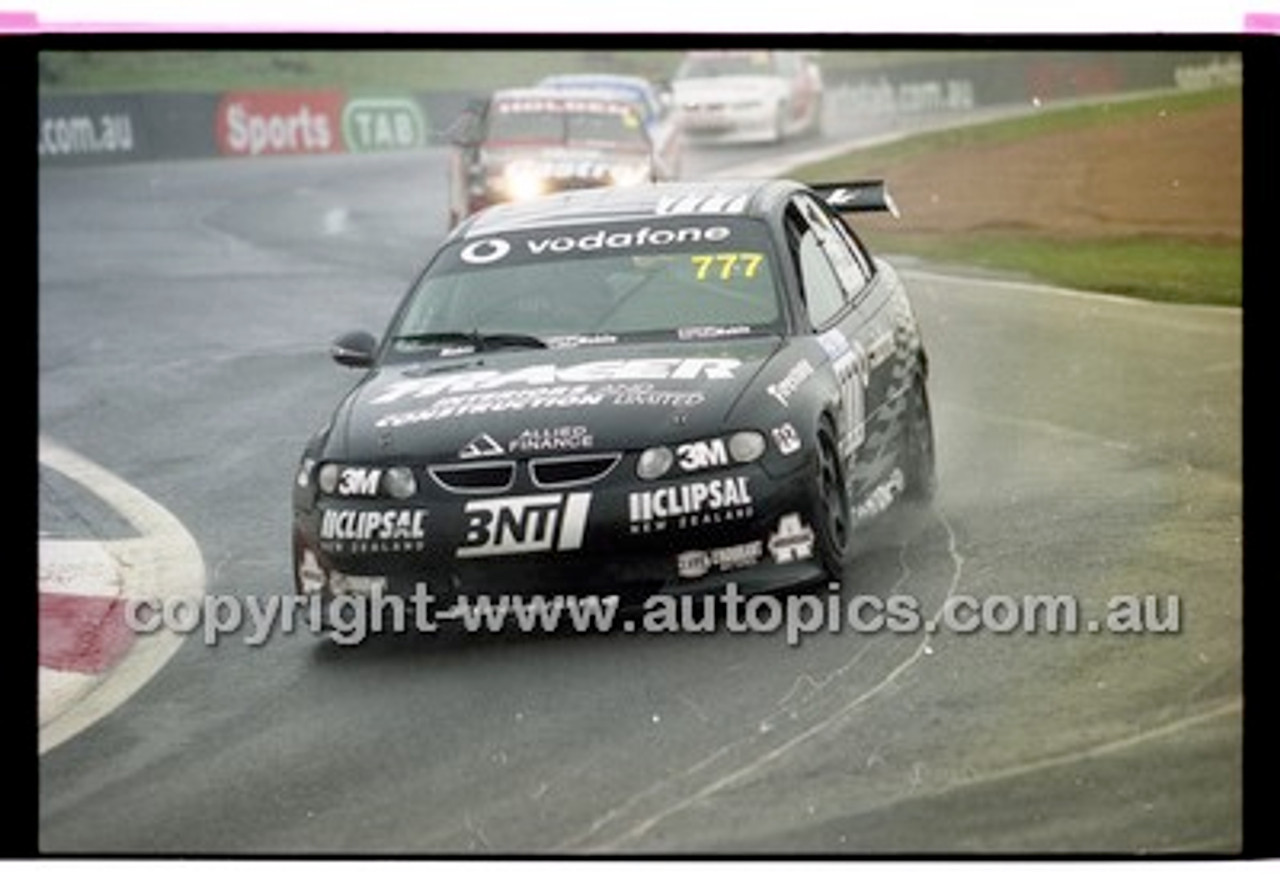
pixel 280 122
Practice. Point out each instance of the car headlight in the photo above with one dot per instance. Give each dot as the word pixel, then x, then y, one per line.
pixel 746 446
pixel 522 180
pixel 629 174
pixel 654 463
pixel 399 482
pixel 327 477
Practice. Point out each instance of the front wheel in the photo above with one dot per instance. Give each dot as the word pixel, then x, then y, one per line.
pixel 830 504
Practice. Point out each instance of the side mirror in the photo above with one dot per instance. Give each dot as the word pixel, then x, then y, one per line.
pixel 355 349
pixel 465 129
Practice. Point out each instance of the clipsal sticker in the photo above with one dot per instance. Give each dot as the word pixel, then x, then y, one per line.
pixel 359 532
pixel 690 505
pixel 792 541
pixel 393 524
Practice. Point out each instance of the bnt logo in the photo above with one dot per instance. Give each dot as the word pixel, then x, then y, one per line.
pixel 523 524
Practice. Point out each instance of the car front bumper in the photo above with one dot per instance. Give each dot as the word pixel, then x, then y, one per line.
pixel 722 122
pixel 694 533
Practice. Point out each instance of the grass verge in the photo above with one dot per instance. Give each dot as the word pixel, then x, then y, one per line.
pixel 1162 269
pixel 1156 268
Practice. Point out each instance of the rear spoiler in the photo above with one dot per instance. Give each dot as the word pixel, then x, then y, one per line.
pixel 857 196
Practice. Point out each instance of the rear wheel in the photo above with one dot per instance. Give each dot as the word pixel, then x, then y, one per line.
pixel 831 504
pixel 921 474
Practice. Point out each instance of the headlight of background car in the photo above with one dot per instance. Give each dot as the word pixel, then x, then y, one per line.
pixel 629 174
pixel 522 180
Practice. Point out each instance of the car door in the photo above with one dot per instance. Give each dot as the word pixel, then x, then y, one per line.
pixel 850 310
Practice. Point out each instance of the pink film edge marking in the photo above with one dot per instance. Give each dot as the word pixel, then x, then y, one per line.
pixel 1262 22
pixel 19 22
pixel 29 23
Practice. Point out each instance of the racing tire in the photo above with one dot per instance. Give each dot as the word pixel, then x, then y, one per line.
pixel 831 517
pixel 920 464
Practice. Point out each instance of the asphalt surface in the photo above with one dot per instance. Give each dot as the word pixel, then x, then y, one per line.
pixel 1088 448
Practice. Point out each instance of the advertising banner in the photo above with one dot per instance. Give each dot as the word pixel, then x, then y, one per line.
pixel 280 122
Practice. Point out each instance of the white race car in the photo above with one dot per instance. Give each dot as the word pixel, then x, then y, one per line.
pixel 748 95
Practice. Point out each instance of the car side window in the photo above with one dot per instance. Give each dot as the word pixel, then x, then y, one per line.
pixel 824 296
pixel 839 247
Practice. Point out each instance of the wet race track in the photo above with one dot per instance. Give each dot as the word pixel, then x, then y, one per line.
pixel 1088 448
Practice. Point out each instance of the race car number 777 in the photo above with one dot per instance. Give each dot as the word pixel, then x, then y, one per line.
pixel 729 264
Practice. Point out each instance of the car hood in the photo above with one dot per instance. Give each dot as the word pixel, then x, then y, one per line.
pixel 559 154
pixel 523 401
pixel 727 88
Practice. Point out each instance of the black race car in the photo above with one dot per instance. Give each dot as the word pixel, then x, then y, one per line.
pixel 625 391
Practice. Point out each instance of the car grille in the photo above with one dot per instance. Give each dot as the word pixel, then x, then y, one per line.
pixel 474 477
pixel 565 184
pixel 546 473
pixel 552 472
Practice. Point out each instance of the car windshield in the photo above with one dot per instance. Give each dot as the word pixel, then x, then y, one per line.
pixel 725 65
pixel 669 278
pixel 633 93
pixel 609 123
